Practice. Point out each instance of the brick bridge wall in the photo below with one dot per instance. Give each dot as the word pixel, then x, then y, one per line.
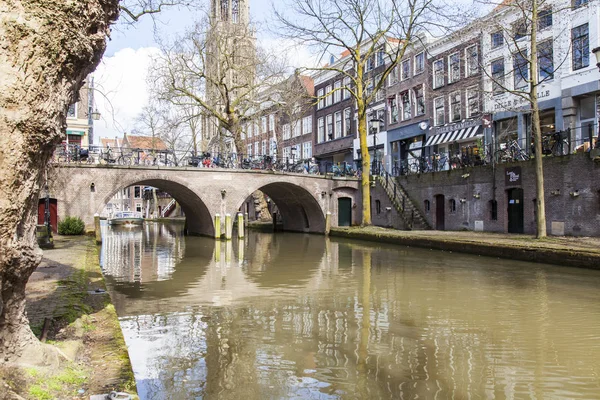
pixel 303 200
pixel 576 173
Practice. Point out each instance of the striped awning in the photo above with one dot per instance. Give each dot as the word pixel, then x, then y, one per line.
pixel 454 136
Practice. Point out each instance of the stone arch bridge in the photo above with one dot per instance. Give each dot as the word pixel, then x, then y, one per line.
pixel 303 200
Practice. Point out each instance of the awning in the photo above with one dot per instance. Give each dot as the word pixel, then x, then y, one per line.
pixel 454 136
pixel 75 132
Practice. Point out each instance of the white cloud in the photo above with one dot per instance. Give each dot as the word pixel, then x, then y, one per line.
pixel 122 91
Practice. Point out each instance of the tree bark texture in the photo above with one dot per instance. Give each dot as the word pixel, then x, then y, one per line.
pixel 47 49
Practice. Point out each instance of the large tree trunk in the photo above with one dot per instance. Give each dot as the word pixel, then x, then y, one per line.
pixel 47 48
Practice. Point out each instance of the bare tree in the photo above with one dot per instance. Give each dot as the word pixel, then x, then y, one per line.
pixel 364 29
pixel 47 49
pixel 532 63
pixel 219 71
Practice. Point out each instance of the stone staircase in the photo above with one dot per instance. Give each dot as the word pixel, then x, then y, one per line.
pixel 413 219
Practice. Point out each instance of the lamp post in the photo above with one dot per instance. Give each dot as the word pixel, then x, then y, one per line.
pixel 596 52
pixel 47 211
pixel 375 124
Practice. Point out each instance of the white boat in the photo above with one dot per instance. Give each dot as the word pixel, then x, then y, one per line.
pixel 126 218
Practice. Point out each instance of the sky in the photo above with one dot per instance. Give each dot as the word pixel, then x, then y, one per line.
pixel 120 79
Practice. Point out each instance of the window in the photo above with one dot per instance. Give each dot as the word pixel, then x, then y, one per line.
pixel 137 192
pixel 72 111
pixel 287 152
pixel 544 19
pixel 320 130
pixel 250 150
pixel 369 63
pixel 406 111
pixel 306 150
pixel 346 88
pixel 393 107
pixel 338 124
pixel 256 148
pixel 138 207
pixel 493 210
pixel 347 122
pixel 329 98
pixel 337 95
pixel 472 101
pixel 455 106
pixel 520 29
pixel 393 76
pixel 264 125
pixel 438 105
pixel 580 3
pixel 580 42
pixel 380 92
pixel 321 99
pixel 419 100
pixel 438 74
pixel 472 63
pixel 250 126
pixel 243 133
pixel 520 70
pixel 419 63
pixel 380 58
pixel 378 206
pixel 427 205
pixel 405 70
pixel 497 39
pixel 452 204
pixel 286 132
pixel 329 127
pixel 498 76
pixel 545 61
pixel 297 128
pixel 271 122
pixel 307 125
pixel 453 67
pixel 264 147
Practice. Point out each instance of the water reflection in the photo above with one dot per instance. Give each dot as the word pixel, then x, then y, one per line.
pixel 301 316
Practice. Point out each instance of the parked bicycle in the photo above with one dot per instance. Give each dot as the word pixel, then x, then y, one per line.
pixel 511 152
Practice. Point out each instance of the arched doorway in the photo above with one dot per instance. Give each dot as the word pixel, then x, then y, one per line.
pixel 344 211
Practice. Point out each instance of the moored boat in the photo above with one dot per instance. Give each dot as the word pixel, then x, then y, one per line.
pixel 126 218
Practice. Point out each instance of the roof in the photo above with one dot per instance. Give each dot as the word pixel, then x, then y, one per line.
pixel 144 142
pixel 309 84
pixel 112 142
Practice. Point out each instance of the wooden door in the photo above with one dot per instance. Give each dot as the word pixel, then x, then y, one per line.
pixel 440 212
pixel 515 210
pixel 344 211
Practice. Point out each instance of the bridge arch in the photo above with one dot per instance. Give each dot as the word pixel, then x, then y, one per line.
pixel 198 218
pixel 300 210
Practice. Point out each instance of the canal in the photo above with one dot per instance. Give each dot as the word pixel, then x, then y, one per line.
pixel 308 317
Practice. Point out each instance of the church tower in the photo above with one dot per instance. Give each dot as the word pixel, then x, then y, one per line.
pixel 230 60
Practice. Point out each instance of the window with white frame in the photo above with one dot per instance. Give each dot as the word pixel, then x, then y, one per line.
pixel 497 39
pixel 264 125
pixel 438 106
pixel 297 128
pixel 380 92
pixel 419 63
pixel 545 61
pixel 520 70
pixel 271 122
pixel 329 98
pixel 337 95
pixel 369 64
pixel 243 133
pixel 347 84
pixel 321 103
pixel 338 124
pixel 453 67
pixel 264 147
pixel 72 111
pixel 286 153
pixel 307 125
pixel 257 148
pixel 580 44
pixel 249 149
pixel 406 108
pixel 347 122
pixel 321 130
pixel 306 150
pixel 393 76
pixel 497 76
pixel 250 127
pixel 393 107
pixel 544 19
pixel 380 58
pixel 286 132
pixel 579 3
pixel 472 101
pixel 405 70
pixel 455 106
pixel 472 60
pixel 438 74
pixel 419 100
pixel 329 127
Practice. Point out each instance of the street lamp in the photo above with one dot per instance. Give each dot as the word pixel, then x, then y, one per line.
pixel 596 52
pixel 375 124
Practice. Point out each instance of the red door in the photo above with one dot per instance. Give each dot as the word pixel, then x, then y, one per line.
pixel 53 213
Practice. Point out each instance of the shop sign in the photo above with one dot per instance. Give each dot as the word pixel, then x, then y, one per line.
pixel 458 126
pixel 512 176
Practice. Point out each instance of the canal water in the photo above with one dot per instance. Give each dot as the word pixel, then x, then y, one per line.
pixel 306 317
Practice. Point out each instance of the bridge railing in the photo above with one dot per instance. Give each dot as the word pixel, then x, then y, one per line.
pixel 69 154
